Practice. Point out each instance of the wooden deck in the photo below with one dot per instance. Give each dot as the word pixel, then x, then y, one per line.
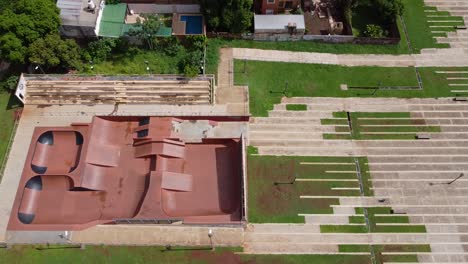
pixel 46 92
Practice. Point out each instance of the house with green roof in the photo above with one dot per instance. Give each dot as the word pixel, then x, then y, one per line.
pixel 93 18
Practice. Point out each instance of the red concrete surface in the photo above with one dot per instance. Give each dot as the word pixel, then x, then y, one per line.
pixel 125 168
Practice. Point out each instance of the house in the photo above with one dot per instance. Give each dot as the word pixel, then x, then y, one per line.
pixel 92 18
pixel 278 6
pixel 80 18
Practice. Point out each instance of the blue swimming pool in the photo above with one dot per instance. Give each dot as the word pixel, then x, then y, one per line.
pixel 193 24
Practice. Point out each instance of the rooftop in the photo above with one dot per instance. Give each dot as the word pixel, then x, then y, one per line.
pixel 73 13
pixel 273 22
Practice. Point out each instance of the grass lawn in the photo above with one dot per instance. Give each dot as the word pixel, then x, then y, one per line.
pixel 405 251
pixel 324 81
pixel 343 229
pixel 133 62
pixel 270 203
pixel 296 107
pixel 122 254
pixel 6 123
pixel 418 27
pixel 398 123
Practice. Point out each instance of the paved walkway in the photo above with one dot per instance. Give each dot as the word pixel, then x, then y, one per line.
pixel 428 58
pixel 234 98
pixel 158 235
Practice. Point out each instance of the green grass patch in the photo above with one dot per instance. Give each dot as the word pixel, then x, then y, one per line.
pixel 280 203
pixel 400 229
pixel 409 258
pixel 399 126
pixel 341 114
pixel 334 121
pixel 317 80
pixel 357 219
pixel 296 107
pixel 417 26
pixel 404 248
pixel 7 104
pixel 148 254
pixel 252 150
pixel 354 248
pixel 373 220
pixel 336 136
pixel 365 175
pixel 378 249
pixel 341 128
pixel 343 229
pixel 304 259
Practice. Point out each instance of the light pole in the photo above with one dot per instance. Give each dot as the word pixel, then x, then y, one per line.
pixel 210 235
pixel 38 67
pixel 91 67
pixel 147 67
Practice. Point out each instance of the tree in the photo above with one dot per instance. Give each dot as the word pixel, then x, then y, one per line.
pixel 191 63
pixel 390 8
pixel 52 51
pixel 99 50
pixel 228 15
pixel 10 83
pixel 147 29
pixel 22 23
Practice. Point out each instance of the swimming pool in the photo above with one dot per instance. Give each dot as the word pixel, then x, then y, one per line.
pixel 193 24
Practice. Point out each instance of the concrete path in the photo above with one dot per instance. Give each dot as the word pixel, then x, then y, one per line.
pixel 428 58
pixel 158 235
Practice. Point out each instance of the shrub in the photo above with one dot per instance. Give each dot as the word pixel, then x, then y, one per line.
pixel 191 70
pixel 170 46
pixel 99 50
pixel 191 62
pixel 10 83
pixel 374 31
pixel 196 42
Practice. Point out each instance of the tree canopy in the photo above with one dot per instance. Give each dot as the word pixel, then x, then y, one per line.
pixel 52 51
pixel 23 23
pixel 234 16
pixel 147 29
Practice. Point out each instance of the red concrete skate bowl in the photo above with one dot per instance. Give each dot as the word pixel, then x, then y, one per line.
pixel 53 200
pixel 215 185
pixel 57 152
pixel 120 169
